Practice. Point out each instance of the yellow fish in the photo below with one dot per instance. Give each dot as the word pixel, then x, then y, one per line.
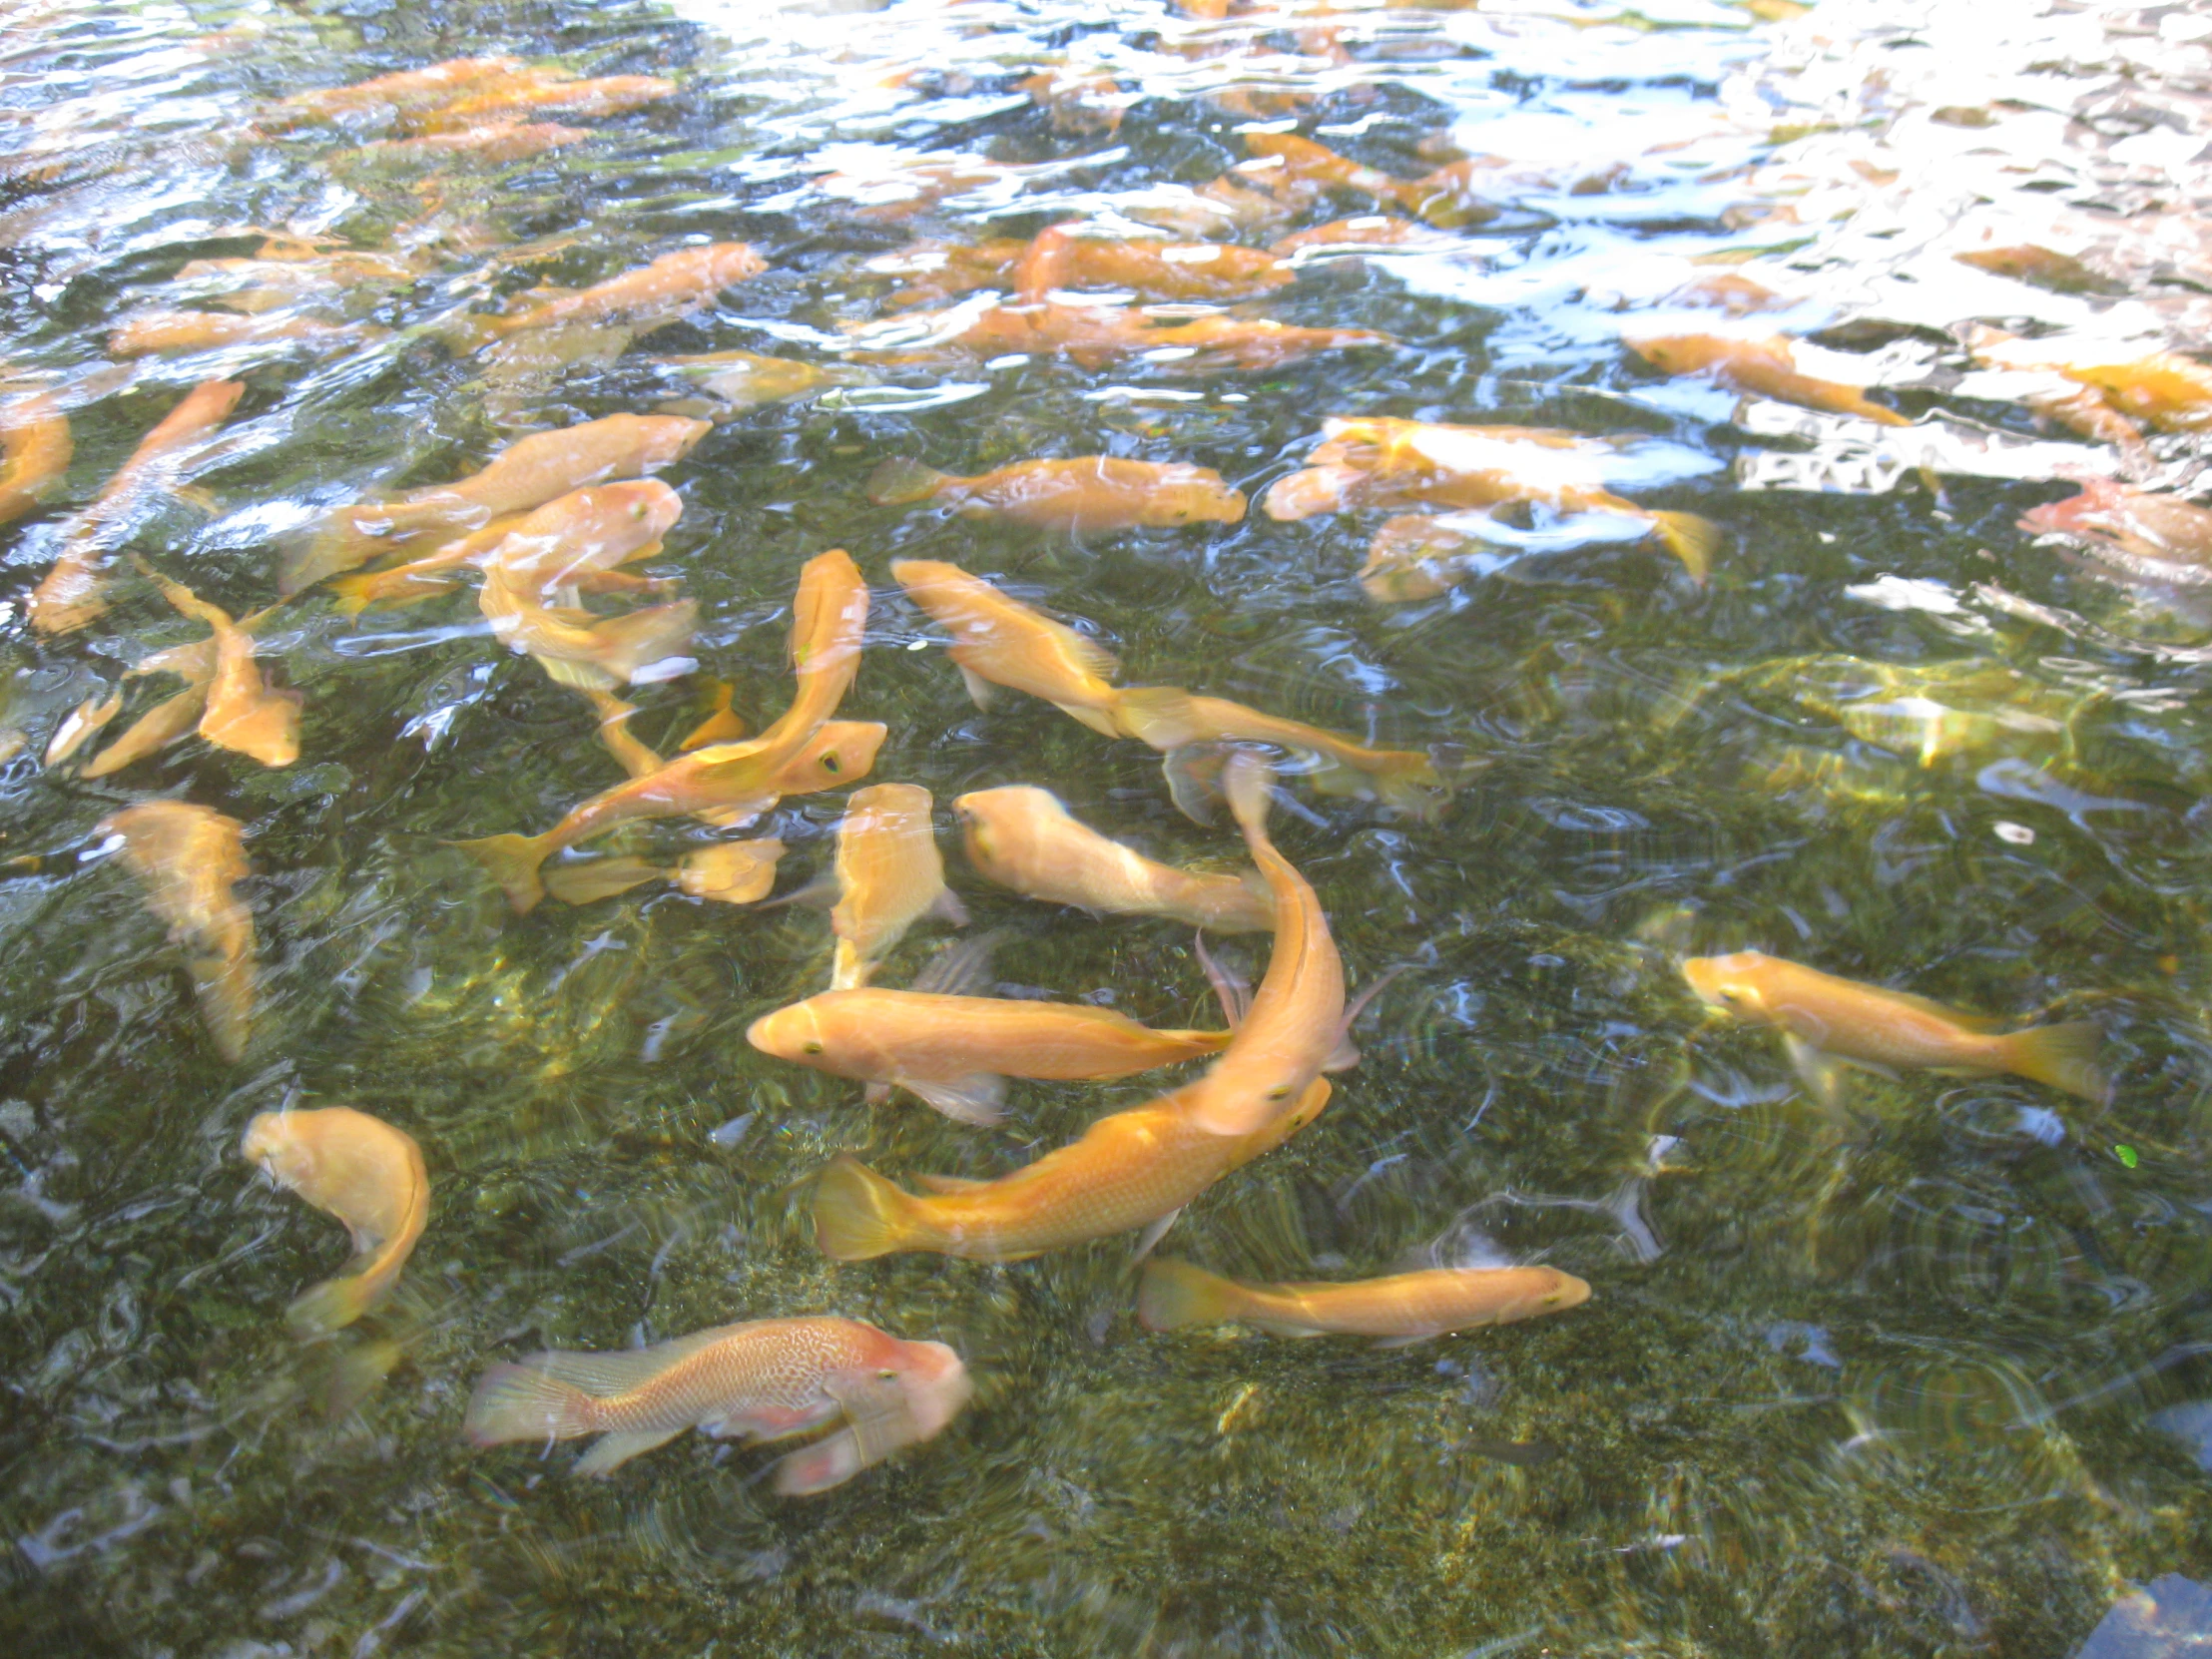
pixel 404 90
pixel 577 649
pixel 1763 367
pixel 1170 719
pixel 1400 1309
pixel 241 713
pixel 671 285
pixel 502 101
pixel 956 1053
pixel 494 143
pixel 190 860
pixel 827 616
pixel 35 448
pixel 74 591
pixel 999 641
pixel 526 475
pixel 366 1173
pixel 80 725
pixel 1062 257
pixel 889 877
pixel 1023 839
pixel 1823 1020
pixel 154 334
pixel 1131 1170
pixel 729 872
pixel 768 1379
pixel 742 380
pixel 2163 390
pixel 1086 494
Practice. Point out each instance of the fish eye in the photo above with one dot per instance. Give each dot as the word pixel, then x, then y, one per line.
pixel 637 509
pixel 829 764
pixel 1281 1091
pixel 814 1048
pixel 886 1374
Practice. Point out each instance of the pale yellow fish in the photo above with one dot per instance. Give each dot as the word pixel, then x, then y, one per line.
pixel 35 450
pixel 1170 719
pixel 1824 1020
pixel 729 872
pixel 577 649
pixel 243 714
pixel 80 724
pixel 1022 837
pixel 1402 1308
pixel 956 1053
pixel 1130 1170
pixel 176 717
pixel 1082 494
pixel 364 1172
pixel 153 334
pixel 190 860
pixel 671 285
pixel 889 877
pixel 769 1379
pixel 404 90
pixel 742 380
pixel 1763 367
pixel 1000 641
pixel 74 591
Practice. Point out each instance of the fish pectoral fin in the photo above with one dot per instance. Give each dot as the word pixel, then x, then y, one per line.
pixel 949 1184
pixel 610 1452
pixel 1822 1074
pixel 1344 1056
pixel 1395 1342
pixel 830 1462
pixel 875 1413
pixel 978 1098
pixel 980 690
pixel 1154 1232
pixel 1193 772
pixel 876 1093
pixel 946 908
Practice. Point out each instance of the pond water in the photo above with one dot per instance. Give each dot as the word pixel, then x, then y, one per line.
pixel 1926 1369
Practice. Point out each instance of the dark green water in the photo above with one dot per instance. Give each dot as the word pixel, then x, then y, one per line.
pixel 1884 1385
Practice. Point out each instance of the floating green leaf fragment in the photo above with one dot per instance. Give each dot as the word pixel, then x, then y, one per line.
pixel 2125 1154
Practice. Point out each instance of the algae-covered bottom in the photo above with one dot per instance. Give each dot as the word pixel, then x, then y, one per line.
pixel 1923 1372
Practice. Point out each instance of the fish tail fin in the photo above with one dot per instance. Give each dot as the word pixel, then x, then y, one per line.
pixel 521 1402
pixel 900 483
pixel 588 882
pixel 2064 1056
pixel 1175 1294
pixel 629 645
pixel 1246 779
pixel 224 988
pixel 361 590
pixel 859 1214
pixel 1691 539
pixel 330 1305
pixel 1409 781
pixel 514 861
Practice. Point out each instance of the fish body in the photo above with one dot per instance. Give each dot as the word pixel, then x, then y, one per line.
pixel 733 779
pixel 406 89
pixel 241 713
pixel 766 1379
pixel 493 143
pixel 1023 839
pixel 889 875
pixel 1824 1020
pixel 525 476
pixel 1129 1170
pixel 2040 267
pixel 1061 257
pixel 1097 336
pixel 1000 641
pixel 506 102
pixel 729 872
pixel 1402 1308
pixel 2161 537
pixel 74 590
pixel 1761 367
pixel 936 271
pixel 1445 198
pixel 1383 462
pixel 672 285
pixel 366 1173
pixel 1084 494
pixel 1367 231
pixel 575 648
pixel 956 1052
pixel 1170 719
pixel 190 860
pixel 35 450
pixel 2163 390
pixel 742 380
pixel 163 333
pixel 1082 106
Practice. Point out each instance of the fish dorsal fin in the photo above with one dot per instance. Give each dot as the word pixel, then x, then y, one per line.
pixel 1928 1006
pixel 606 1374
pixel 962 969
pixel 950 1185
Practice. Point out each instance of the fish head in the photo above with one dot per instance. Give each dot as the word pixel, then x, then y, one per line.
pixel 1735 985
pixel 1551 1292
pixel 1674 353
pixel 991 821
pixel 1283 1126
pixel 668 439
pixel 1193 495
pixel 2097 498
pixel 273 1142
pixel 935 1381
pixel 794 1034
pixel 842 750
pixel 642 508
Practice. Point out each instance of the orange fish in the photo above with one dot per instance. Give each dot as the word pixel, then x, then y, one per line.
pixel 1369 231
pixel 1081 104
pixel 1130 1170
pixel 503 102
pixel 1064 257
pixel 1097 336
pixel 2156 537
pixel 1412 557
pixel 768 1379
pixel 1086 494
pixel 729 872
pixel 1403 1307
pixel 162 332
pixel 79 724
pixel 1825 1021
pixel 2042 268
pixel 74 591
pixel 191 860
pixel 526 475
pixel 737 779
pixel 366 1173
pixel 241 713
pixel 2163 390
pixel 956 1053
pixel 35 450
pixel 1444 199
pixel 999 641
pixel 936 271
pixel 889 877
pixel 667 288
pixel 1022 837
pixel 1377 461
pixel 177 716
pixel 494 143
pixel 577 649
pixel 407 89
pixel 1761 367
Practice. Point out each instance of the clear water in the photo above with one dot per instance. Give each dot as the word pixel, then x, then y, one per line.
pixel 1932 1378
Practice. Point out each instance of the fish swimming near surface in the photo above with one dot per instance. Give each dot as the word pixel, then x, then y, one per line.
pixel 504 101
pixel 1367 231
pixel 1130 1170
pixel 528 475
pixel 766 1379
pixel 2164 390
pixel 73 591
pixel 1444 198
pixel 35 450
pixel 1000 641
pixel 366 1173
pixel 667 288
pixel 2143 534
pixel 1063 257
pixel 163 333
pixel 1098 337
pixel 578 649
pixel 729 872
pixel 889 875
pixel 403 90
pixel 190 860
pixel 956 1053
pixel 1826 1021
pixel 1399 1310
pixel 1379 461
pixel 734 779
pixel 1024 838
pixel 742 380
pixel 494 143
pixel 1085 494
pixel 1760 366
pixel 241 713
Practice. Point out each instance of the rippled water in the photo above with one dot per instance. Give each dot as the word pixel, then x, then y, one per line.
pixel 1930 1375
